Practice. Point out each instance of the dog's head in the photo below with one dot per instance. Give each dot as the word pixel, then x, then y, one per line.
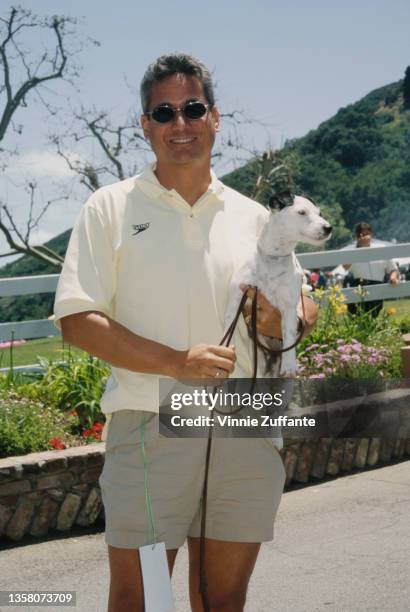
pixel 300 218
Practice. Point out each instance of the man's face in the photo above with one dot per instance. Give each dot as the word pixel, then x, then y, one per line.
pixel 364 238
pixel 180 141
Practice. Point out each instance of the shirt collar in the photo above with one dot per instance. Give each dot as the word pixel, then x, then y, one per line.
pixel 151 186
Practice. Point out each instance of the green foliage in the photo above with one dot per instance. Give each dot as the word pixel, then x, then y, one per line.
pixel 350 346
pixel 27 426
pixel 404 325
pixel 39 306
pixel 76 384
pixel 406 88
pixel 359 161
pixel 356 166
pixel 28 352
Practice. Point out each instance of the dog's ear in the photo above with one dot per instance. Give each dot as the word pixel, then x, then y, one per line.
pixel 280 200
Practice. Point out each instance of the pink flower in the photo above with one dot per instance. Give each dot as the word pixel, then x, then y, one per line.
pixel 9 343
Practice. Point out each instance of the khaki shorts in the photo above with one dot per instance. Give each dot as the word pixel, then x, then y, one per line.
pixel 245 485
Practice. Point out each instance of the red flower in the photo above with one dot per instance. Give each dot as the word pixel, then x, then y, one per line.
pixel 94 431
pixel 57 443
pixel 73 413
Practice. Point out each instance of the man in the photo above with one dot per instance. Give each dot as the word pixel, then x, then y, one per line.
pixel 144 287
pixel 371 272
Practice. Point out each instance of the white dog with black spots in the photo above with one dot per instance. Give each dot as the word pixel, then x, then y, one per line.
pixel 275 271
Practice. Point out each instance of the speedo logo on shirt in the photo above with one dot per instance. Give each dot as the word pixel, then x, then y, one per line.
pixel 140 228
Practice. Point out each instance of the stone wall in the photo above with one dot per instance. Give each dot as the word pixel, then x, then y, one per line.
pixel 56 491
pixel 318 459
pixel 53 490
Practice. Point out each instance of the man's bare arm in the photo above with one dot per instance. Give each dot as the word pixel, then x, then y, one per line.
pixel 114 343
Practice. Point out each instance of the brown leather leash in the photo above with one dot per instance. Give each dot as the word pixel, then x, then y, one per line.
pixel 203 585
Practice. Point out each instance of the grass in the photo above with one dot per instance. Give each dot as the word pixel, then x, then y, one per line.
pixel 402 307
pixel 28 353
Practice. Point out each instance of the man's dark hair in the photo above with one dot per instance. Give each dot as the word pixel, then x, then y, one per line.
pixel 176 63
pixel 363 227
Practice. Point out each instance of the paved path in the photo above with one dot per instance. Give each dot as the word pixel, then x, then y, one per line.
pixel 343 545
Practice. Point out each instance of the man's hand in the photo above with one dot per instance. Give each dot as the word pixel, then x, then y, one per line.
pixel 112 342
pixel 206 361
pixel 394 278
pixel 268 318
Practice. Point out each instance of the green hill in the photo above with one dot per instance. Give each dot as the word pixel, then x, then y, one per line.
pixel 31 306
pixel 356 165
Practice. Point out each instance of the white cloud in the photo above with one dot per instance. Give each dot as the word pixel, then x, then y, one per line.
pixel 39 164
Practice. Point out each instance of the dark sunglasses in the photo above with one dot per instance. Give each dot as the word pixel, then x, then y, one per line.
pixel 191 110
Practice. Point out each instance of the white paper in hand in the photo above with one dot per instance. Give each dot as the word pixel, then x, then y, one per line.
pixel 156 578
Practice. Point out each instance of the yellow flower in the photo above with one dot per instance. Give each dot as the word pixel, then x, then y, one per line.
pixel 340 309
pixel 391 311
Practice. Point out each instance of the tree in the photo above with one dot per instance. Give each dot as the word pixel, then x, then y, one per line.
pixel 119 147
pixel 406 88
pixel 24 74
pixel 276 174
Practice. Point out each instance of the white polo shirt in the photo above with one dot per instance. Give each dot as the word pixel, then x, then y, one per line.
pixel 373 270
pixel 143 256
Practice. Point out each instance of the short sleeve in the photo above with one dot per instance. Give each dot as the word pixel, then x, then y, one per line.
pixel 87 278
pixel 390 266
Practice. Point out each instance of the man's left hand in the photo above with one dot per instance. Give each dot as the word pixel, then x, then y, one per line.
pixel 268 318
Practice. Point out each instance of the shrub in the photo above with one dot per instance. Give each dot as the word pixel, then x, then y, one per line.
pixel 404 325
pixel 350 346
pixel 27 426
pixel 345 360
pixel 72 385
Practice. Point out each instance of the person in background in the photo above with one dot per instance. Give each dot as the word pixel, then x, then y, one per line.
pixel 314 277
pixel 370 272
pixel 319 277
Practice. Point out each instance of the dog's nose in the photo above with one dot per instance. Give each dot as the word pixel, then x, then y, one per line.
pixel 327 229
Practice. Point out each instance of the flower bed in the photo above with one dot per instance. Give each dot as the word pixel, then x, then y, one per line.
pixel 350 346
pixel 346 359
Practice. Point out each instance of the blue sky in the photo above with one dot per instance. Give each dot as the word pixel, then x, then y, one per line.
pixel 288 64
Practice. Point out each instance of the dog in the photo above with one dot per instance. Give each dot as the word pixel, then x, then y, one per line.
pixel 272 266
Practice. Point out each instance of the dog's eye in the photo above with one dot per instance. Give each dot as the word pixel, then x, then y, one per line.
pixel 301 212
